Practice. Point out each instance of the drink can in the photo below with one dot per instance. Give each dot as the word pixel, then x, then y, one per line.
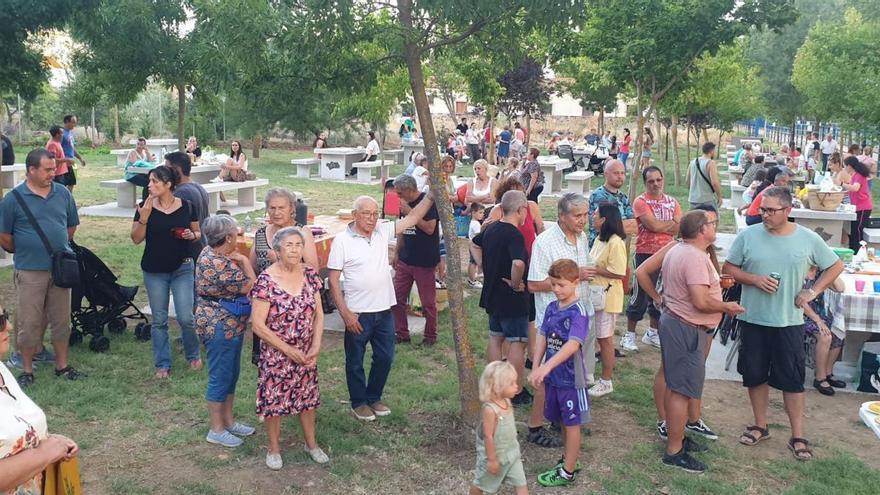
pixel 776 276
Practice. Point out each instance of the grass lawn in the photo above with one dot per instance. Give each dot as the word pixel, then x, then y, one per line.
pixel 142 436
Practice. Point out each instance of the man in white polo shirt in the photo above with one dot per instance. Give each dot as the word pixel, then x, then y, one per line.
pixel 360 254
pixel 565 240
pixel 828 146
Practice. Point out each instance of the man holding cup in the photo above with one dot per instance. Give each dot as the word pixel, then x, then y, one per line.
pixel 772 333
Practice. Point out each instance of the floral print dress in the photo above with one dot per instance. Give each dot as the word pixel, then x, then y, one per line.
pixel 22 427
pixel 218 277
pixel 283 386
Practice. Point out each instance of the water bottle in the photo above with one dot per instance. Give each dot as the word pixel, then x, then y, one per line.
pixel 248 222
pixel 164 152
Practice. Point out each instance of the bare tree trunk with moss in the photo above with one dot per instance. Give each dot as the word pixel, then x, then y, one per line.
pixel 467 368
pixel 676 165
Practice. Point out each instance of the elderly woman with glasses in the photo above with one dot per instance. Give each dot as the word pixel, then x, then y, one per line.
pixel 280 212
pixel 288 318
pixel 223 279
pixel 26 447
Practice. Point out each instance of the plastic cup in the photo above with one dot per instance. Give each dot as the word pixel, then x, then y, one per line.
pixel 860 286
pixel 877 286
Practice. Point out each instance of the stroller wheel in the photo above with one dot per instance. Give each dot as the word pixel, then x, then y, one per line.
pixel 116 325
pixel 76 337
pixel 99 343
pixel 142 332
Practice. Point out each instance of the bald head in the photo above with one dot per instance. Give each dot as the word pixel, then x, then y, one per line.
pixel 615 175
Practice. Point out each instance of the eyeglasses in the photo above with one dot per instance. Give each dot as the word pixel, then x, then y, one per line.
pixel 369 214
pixel 770 211
pixel 4 318
pixel 713 223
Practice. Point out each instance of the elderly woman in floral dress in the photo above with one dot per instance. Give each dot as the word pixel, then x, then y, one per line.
pixel 222 275
pixel 288 317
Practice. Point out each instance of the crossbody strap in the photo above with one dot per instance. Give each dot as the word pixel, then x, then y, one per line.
pixel 33 221
pixel 700 170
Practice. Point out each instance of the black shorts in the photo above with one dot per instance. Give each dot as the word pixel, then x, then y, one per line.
pixel 70 176
pixel 772 355
pixel 532 311
pixel 639 302
pixel 61 179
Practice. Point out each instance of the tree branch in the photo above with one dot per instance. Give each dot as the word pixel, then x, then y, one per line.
pixel 472 29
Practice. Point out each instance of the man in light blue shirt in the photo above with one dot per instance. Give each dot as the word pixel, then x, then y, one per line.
pixel 770 260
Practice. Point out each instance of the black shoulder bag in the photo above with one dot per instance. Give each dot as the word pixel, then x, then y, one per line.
pixel 703 175
pixel 65 264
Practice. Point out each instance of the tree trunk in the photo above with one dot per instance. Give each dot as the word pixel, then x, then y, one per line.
pixel 94 130
pixel 657 139
pixel 467 368
pixel 601 121
pixel 258 145
pixel 116 124
pixel 676 166
pixel 687 131
pixel 181 113
pixel 528 128
pixel 490 146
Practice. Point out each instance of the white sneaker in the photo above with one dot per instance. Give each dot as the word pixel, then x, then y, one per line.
pixel 274 462
pixel 317 455
pixel 651 338
pixel 602 387
pixel 628 342
pixel 475 284
pixel 218 179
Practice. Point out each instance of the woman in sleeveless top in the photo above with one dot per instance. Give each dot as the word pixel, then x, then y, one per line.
pixel 647 143
pixel 480 188
pixel 280 210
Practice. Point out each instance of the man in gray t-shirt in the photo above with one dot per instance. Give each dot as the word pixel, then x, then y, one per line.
pixel 192 192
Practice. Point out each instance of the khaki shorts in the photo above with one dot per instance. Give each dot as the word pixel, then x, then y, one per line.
pixel 605 322
pixel 40 303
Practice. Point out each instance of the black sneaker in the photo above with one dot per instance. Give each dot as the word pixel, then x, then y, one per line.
pixel 691 446
pixel 700 428
pixel 25 380
pixel 662 432
pixel 685 462
pixel 523 398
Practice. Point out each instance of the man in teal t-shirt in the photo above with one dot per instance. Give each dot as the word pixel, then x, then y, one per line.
pixel 771 329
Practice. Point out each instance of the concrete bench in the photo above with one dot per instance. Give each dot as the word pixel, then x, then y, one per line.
pixel 9 175
pixel 579 182
pixel 736 195
pixel 872 237
pixel 126 192
pixel 396 155
pixel 304 167
pixel 247 192
pixel 365 169
pixel 121 155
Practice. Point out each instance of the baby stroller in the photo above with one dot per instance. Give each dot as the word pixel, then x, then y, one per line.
pixel 106 303
pixel 598 157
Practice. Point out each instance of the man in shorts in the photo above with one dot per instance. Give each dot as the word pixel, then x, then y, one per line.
pixel 504 295
pixel 693 307
pixel 770 261
pixel 68 144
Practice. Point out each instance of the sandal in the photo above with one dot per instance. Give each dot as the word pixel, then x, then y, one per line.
pixel 752 439
pixel 70 373
pixel 25 380
pixel 802 454
pixel 544 438
pixel 834 382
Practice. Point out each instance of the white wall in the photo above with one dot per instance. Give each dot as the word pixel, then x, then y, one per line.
pixel 565 105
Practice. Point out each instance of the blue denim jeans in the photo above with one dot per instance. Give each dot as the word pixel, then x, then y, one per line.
pixel 179 284
pixel 378 331
pixel 224 364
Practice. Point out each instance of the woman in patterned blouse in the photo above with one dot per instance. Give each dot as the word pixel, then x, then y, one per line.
pixel 26 447
pixel 288 318
pixel 222 274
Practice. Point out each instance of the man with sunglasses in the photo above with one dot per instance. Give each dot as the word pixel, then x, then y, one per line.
pixel 770 261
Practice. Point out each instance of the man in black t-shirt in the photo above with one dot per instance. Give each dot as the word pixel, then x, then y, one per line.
pixel 192 192
pixel 418 252
pixel 463 127
pixel 504 296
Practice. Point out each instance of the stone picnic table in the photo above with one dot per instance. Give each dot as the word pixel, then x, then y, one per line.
pixel 830 225
pixel 9 175
pixel 156 145
pixel 856 314
pixel 336 162
pixel 552 167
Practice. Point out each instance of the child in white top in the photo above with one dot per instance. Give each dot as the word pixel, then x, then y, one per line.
pixel 478 212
